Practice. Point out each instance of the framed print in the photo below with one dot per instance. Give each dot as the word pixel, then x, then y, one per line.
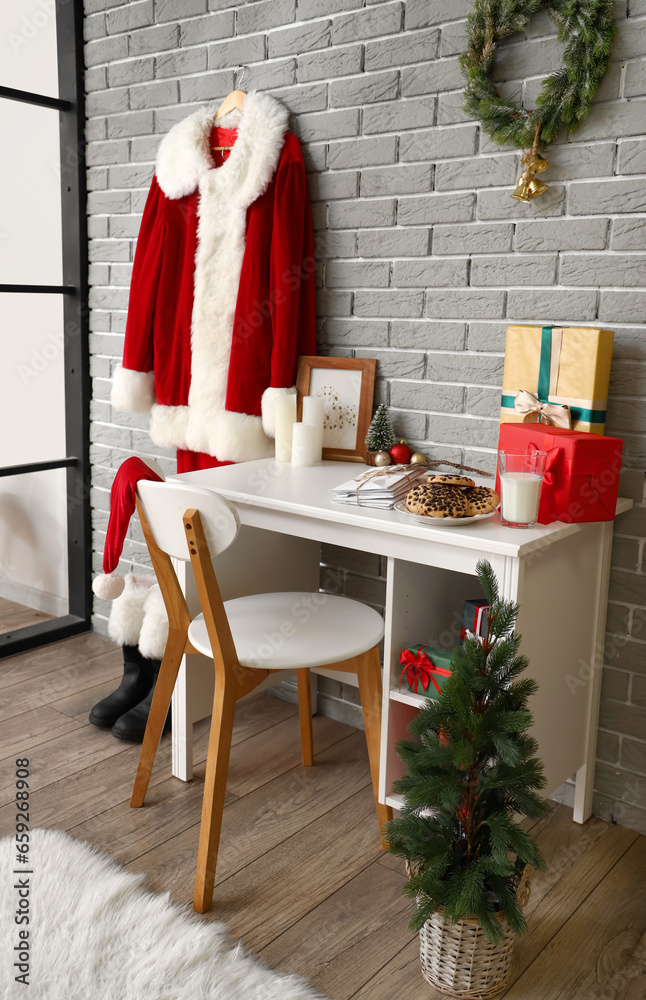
pixel 347 386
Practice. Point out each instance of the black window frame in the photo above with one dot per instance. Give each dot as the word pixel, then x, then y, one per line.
pixel 74 289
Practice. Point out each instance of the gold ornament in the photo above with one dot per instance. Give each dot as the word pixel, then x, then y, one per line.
pixel 528 186
pixel 382 458
pixel 536 187
pixel 522 189
pixel 536 164
pixel 417 457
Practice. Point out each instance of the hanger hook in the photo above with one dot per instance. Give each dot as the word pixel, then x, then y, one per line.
pixel 241 72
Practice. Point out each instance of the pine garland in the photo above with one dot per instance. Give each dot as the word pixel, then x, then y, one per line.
pixel 585 27
pixel 470 769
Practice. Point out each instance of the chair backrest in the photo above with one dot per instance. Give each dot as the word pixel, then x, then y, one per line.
pixel 164 505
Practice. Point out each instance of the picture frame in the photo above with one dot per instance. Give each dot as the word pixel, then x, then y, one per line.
pixel 348 386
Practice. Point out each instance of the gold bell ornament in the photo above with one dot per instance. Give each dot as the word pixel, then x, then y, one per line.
pixel 536 187
pixel 537 164
pixel 522 188
pixel 528 186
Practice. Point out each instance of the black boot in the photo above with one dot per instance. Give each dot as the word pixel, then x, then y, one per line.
pixel 132 725
pixel 135 684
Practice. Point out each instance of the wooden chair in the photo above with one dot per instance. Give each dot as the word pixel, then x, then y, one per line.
pixel 307 630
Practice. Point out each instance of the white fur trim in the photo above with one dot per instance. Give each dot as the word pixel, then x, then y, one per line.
pixel 268 406
pixel 127 612
pixel 239 437
pixel 184 162
pixel 184 155
pixel 132 391
pixel 108 586
pixel 154 628
pixel 169 426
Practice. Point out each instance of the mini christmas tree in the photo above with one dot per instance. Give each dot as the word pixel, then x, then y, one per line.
pixel 471 768
pixel 380 436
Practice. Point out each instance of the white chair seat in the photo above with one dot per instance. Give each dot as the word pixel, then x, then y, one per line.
pixel 295 630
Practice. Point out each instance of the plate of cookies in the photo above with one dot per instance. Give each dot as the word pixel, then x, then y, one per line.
pixel 449 500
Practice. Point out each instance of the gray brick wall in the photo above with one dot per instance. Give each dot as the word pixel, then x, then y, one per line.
pixel 423 257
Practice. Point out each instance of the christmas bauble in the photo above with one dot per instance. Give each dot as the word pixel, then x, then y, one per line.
pixel 400 453
pixel 418 456
pixel 382 458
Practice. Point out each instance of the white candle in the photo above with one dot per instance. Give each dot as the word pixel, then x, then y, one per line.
pixel 285 420
pixel 521 493
pixel 304 445
pixel 313 413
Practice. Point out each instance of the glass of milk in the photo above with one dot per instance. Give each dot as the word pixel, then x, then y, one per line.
pixel 521 478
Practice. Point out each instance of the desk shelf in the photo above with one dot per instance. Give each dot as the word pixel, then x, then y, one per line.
pixel 423 605
pixel 408 698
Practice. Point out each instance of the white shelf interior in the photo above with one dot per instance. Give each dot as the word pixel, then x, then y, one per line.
pixel 423 605
pixel 408 698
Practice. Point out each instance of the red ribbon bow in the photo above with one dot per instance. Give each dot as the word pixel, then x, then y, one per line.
pixel 419 667
pixel 551 462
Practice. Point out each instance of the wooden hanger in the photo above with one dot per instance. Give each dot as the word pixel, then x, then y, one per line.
pixel 232 101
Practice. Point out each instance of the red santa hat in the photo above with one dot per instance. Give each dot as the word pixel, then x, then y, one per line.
pixel 110 584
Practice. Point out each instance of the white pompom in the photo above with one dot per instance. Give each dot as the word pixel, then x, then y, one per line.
pixel 108 586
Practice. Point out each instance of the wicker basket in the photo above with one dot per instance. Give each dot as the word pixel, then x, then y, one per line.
pixel 459 960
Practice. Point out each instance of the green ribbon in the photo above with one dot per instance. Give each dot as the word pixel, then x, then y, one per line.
pixel 544 366
pixel 577 413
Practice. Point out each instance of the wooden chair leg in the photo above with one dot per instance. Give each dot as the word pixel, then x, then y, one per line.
pixel 215 784
pixel 369 675
pixel 305 715
pixel 160 704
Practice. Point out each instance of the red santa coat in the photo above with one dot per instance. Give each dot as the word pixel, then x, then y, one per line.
pixel 222 291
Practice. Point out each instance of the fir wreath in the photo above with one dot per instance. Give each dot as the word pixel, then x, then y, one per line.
pixel 587 30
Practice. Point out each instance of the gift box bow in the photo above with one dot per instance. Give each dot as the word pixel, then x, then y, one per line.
pixel 551 462
pixel 533 410
pixel 419 668
pixel 545 404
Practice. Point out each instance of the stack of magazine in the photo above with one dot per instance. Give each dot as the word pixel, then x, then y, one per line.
pixel 381 487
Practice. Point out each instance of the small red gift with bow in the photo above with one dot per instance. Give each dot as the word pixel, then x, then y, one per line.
pixel 581 470
pixel 425 669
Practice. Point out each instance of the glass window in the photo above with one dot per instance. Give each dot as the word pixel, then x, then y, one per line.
pixel 28 57
pixel 33 548
pixel 32 383
pixel 30 208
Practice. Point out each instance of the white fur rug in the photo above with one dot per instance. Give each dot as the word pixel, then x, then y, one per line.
pixel 95 934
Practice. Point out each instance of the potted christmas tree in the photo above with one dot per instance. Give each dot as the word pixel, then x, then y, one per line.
pixel 471 772
pixel 380 437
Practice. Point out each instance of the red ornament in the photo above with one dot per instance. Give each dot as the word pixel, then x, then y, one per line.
pixel 400 453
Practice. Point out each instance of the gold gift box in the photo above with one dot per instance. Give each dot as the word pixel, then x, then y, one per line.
pixel 558 365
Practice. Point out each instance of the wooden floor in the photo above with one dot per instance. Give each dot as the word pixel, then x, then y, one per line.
pixel 15 616
pixel 301 876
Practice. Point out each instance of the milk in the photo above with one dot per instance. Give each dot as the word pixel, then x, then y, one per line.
pixel 521 492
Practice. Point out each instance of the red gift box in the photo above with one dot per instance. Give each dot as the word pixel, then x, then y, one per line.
pixel 581 470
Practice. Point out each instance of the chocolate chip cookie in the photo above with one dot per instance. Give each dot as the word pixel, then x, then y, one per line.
pixel 480 500
pixel 449 480
pixel 437 501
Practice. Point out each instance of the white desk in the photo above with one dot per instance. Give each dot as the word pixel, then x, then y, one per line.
pixel 558 573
